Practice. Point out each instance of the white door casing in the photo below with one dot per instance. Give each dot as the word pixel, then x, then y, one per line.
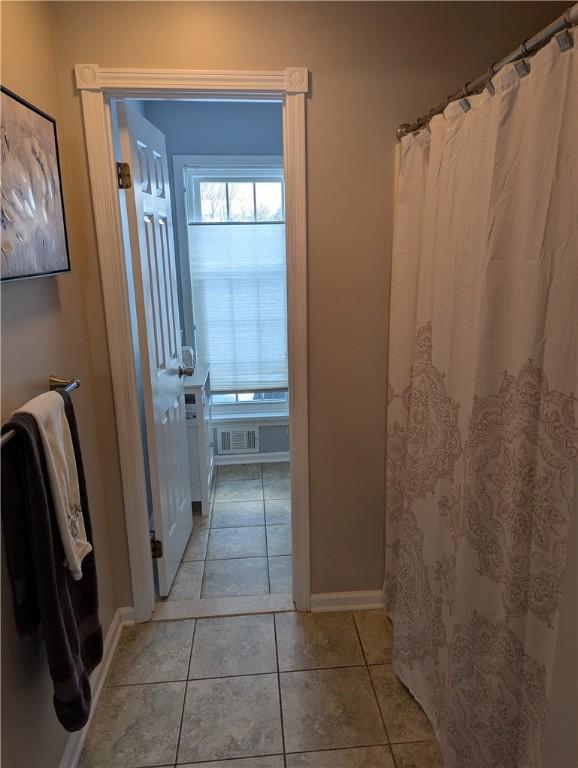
pixel 151 239
pixel 97 85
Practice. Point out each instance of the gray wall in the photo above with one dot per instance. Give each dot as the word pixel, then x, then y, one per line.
pixel 218 128
pixel 49 326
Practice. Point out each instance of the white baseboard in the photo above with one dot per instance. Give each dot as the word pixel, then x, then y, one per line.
pixel 346 601
pixel 251 458
pixel 122 618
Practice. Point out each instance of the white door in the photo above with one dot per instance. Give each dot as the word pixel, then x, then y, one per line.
pixel 151 241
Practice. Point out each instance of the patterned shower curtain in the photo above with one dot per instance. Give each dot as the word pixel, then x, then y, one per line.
pixel 482 473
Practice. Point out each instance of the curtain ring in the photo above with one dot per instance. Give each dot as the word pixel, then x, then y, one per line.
pixel 525 51
pixel 489 85
pixel 464 91
pixel 566 18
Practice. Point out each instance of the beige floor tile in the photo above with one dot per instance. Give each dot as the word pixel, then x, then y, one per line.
pixel 276 487
pixel 234 514
pixel 228 543
pixel 329 709
pixel 420 754
pixel 239 490
pixel 375 633
pixel 135 726
pixel 316 640
pixel 281 574
pixel 278 540
pixel 187 583
pixel 404 719
pixel 197 547
pixel 365 757
pixel 274 761
pixel 155 652
pixel 201 521
pixel 278 511
pixel 229 578
pixel 233 645
pixel 231 717
pixel 276 469
pixel 239 472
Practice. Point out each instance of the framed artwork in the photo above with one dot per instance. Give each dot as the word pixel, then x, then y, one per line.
pixel 34 241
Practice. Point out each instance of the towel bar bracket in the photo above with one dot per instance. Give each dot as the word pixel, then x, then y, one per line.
pixel 54 382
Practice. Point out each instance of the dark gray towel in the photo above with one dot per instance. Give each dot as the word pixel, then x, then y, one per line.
pixel 44 592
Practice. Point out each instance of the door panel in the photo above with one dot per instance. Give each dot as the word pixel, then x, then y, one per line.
pixel 151 241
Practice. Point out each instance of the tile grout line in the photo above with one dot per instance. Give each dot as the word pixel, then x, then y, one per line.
pixel 211 507
pixel 251 674
pixel 340 749
pixel 238 557
pixel 212 762
pixel 186 691
pixel 205 564
pixel 279 691
pixel 277 754
pixel 367 666
pixel 267 544
pixel 228 527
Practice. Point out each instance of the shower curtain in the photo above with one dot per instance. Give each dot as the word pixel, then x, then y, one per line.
pixel 482 473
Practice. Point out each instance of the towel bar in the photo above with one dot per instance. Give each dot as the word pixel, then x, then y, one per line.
pixel 54 382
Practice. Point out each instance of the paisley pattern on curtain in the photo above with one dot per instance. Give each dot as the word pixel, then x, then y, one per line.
pixel 482 469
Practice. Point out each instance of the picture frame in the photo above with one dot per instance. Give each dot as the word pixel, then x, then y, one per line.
pixel 34 241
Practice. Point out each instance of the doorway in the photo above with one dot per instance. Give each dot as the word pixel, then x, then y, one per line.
pixel 220 163
pixel 230 473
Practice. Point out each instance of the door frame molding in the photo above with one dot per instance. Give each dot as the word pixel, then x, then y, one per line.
pixel 97 85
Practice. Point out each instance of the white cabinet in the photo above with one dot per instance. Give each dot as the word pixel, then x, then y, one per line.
pixel 200 435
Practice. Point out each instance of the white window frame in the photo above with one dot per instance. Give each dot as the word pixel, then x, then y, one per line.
pixel 211 165
pixel 237 170
pixel 97 86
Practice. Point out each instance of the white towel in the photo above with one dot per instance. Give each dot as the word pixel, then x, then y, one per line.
pixel 48 411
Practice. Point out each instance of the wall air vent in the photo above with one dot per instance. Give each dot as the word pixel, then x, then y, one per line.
pixel 238 440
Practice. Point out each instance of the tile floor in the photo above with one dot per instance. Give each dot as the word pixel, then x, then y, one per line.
pixel 244 547
pixel 283 690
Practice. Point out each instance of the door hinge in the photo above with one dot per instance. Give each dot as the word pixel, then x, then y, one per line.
pixel 156 548
pixel 123 176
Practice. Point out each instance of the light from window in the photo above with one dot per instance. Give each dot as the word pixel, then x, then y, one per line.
pixel 213 201
pixel 233 398
pixel 269 201
pixel 225 201
pixel 241 201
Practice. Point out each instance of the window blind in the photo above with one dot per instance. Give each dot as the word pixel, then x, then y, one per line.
pixel 238 281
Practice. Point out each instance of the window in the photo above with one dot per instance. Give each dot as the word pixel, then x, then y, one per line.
pixel 226 201
pixel 236 239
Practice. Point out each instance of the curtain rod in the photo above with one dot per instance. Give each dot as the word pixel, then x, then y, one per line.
pixel 529 46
